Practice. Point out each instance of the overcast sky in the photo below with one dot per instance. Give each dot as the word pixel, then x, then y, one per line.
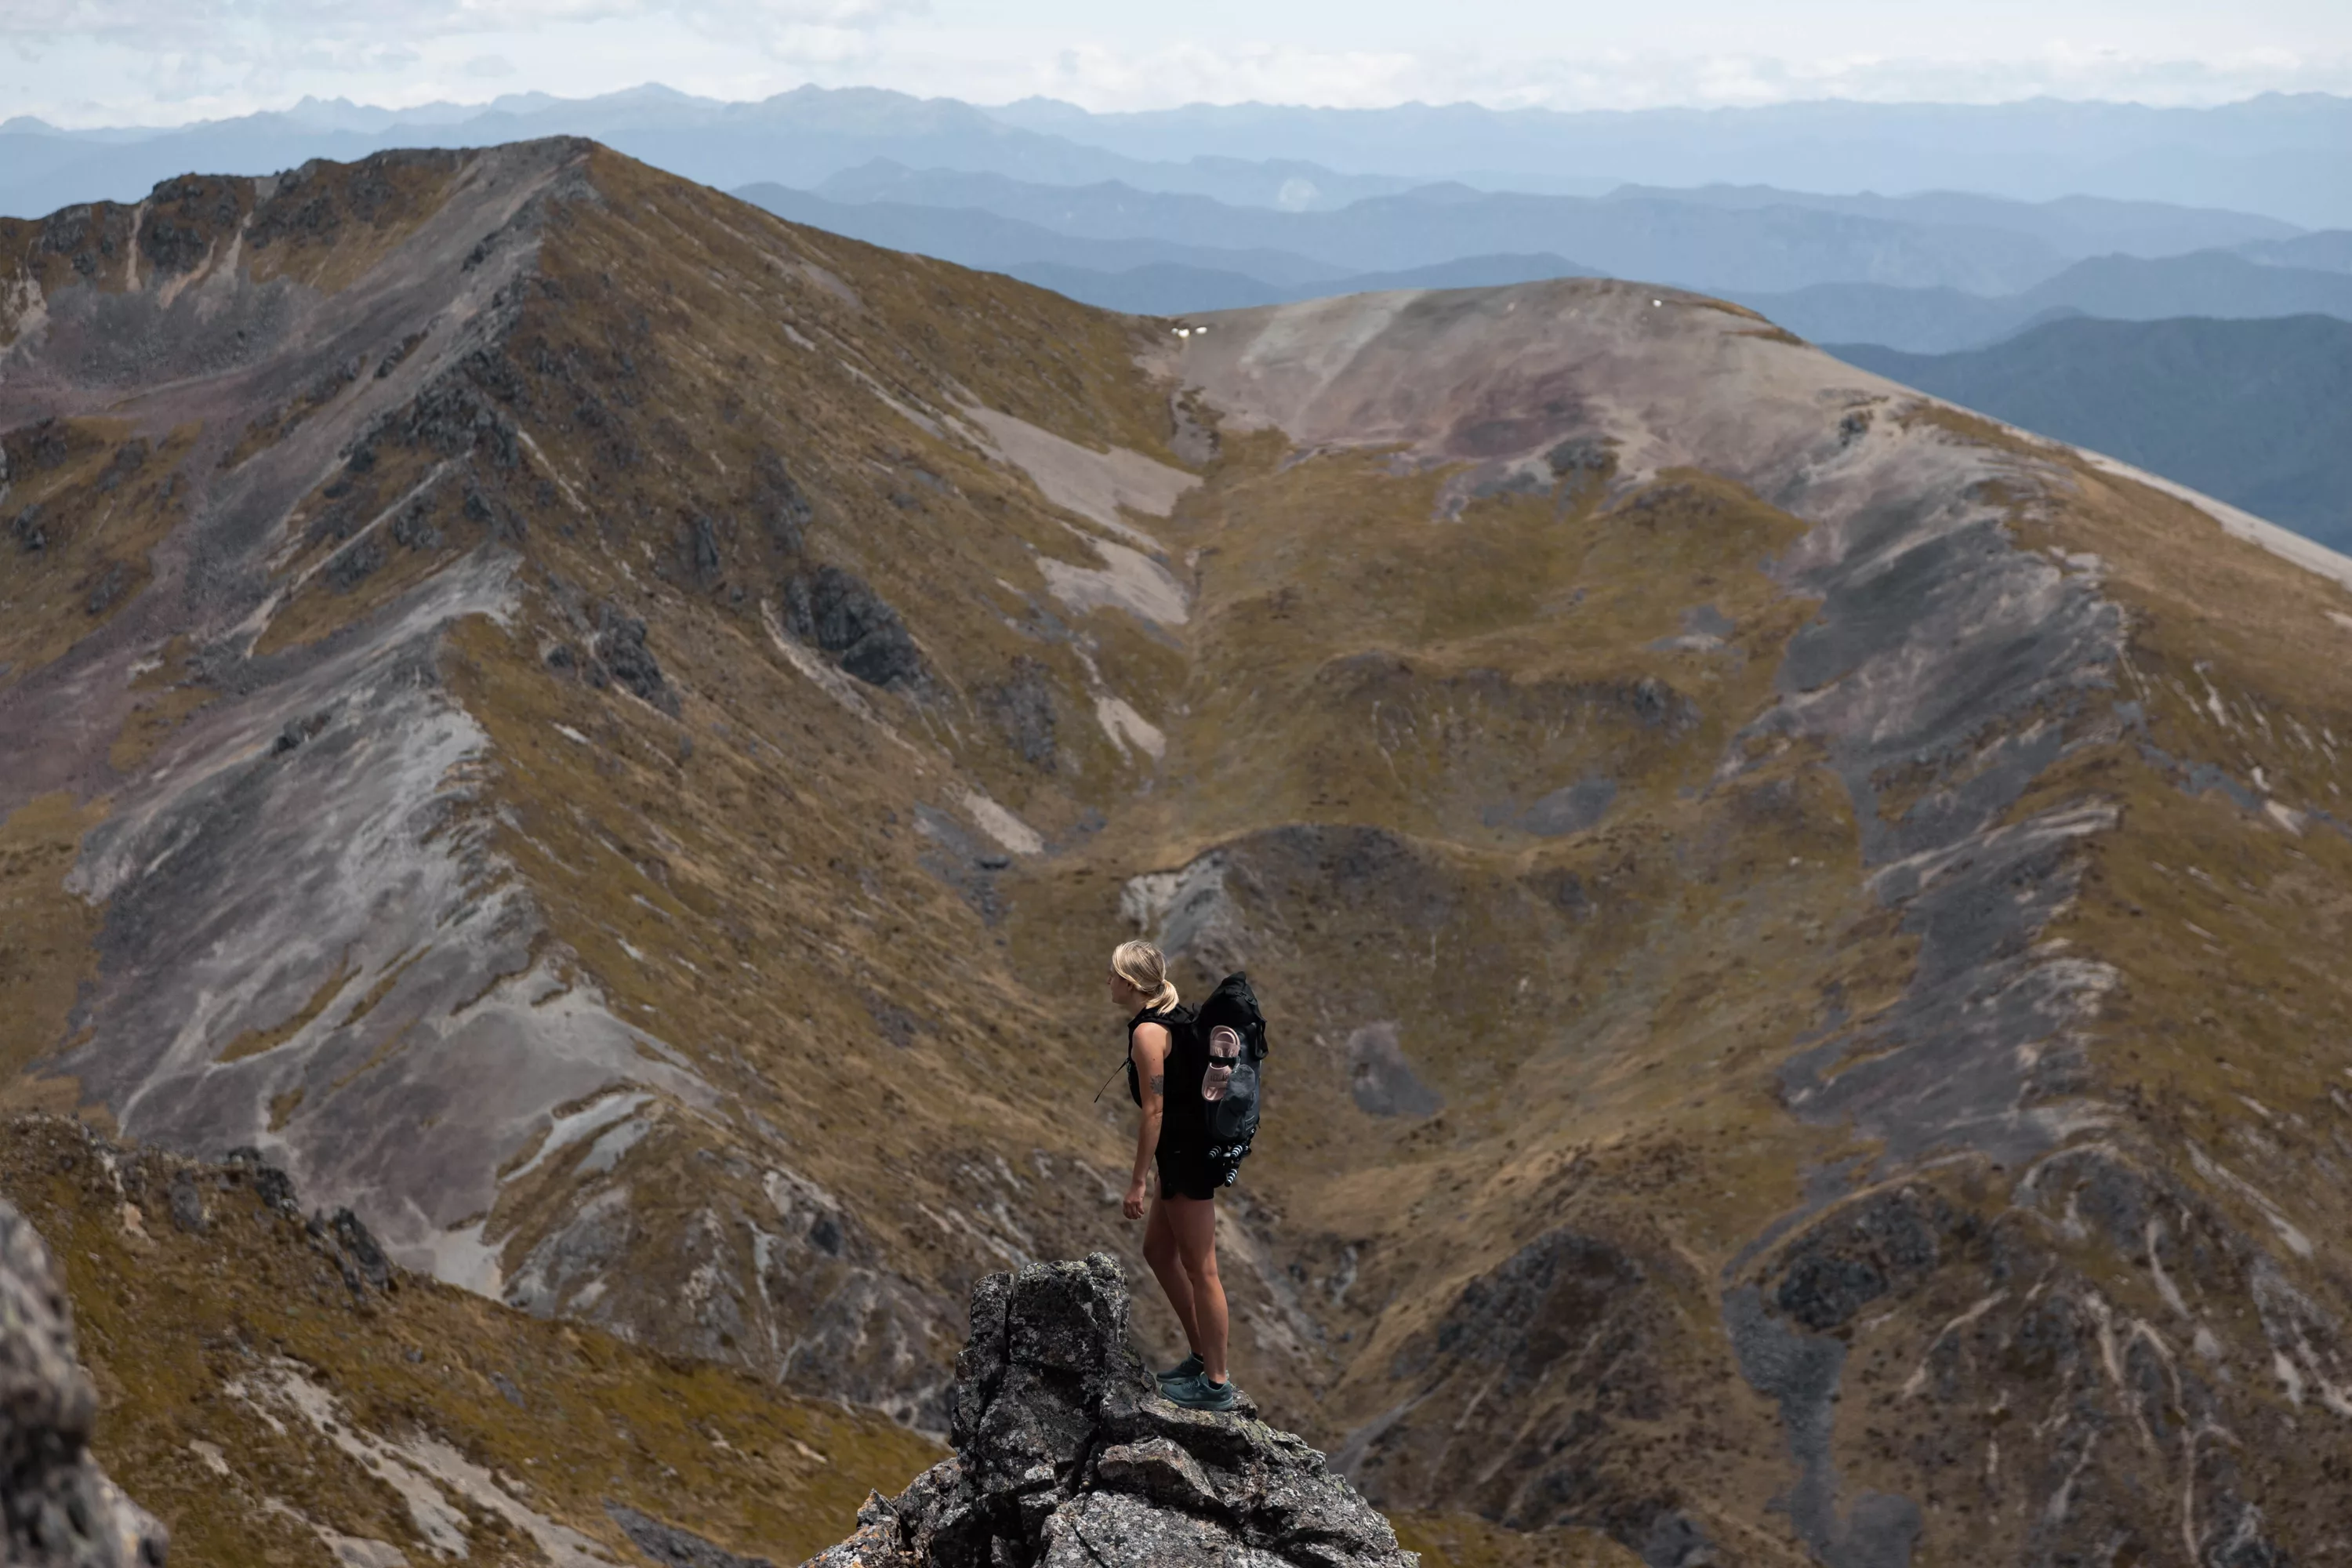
pixel 164 61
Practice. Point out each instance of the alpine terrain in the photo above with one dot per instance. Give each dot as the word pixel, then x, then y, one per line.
pixel 567 736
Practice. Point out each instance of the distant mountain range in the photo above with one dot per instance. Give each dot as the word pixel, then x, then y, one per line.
pixel 2276 155
pixel 1159 254
pixel 2255 413
pixel 1205 208
pixel 2281 154
pixel 2209 283
pixel 1172 288
pixel 2058 211
pixel 962 217
pixel 796 137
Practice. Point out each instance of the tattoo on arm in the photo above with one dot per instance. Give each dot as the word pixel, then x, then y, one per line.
pixel 1158 1083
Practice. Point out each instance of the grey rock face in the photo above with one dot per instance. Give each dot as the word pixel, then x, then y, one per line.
pixel 838 612
pixel 58 1509
pixel 672 1547
pixel 1067 1457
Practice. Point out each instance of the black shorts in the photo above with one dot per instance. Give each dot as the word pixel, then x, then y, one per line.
pixel 1191 1172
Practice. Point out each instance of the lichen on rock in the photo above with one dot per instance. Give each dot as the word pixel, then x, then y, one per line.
pixel 1067 1457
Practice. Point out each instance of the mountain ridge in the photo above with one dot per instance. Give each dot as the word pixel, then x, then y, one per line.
pixel 2251 154
pixel 2238 410
pixel 608 733
pixel 2263 152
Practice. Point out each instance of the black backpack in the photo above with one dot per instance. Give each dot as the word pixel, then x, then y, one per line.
pixel 1216 1053
pixel 1229 1033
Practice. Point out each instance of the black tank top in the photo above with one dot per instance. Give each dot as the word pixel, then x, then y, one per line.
pixel 1184 1123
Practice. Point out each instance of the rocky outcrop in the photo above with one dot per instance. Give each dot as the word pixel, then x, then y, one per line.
pixel 56 1506
pixel 1067 1457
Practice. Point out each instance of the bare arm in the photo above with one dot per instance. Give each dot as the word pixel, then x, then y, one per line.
pixel 1150 1051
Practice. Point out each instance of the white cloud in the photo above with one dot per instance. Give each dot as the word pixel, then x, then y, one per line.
pixel 1103 79
pixel 176 24
pixel 163 61
pixel 1100 77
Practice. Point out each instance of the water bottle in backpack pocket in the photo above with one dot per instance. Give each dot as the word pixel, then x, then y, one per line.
pixel 1224 1054
pixel 1232 1032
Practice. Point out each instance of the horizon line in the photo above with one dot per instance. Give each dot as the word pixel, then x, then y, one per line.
pixel 547 101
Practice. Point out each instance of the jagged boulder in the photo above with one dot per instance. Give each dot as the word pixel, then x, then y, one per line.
pixel 1067 1457
pixel 57 1509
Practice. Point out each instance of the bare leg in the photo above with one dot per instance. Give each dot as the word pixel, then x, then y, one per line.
pixel 1159 1251
pixel 1193 1222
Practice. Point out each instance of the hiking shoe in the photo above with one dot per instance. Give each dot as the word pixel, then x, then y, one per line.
pixel 1190 1366
pixel 1197 1392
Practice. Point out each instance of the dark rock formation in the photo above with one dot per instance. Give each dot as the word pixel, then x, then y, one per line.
pixel 621 645
pixel 355 565
pixel 1067 1457
pixel 840 614
pixel 58 1509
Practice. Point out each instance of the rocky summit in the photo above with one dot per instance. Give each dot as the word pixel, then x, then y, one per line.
pixel 1067 1457
pixel 609 735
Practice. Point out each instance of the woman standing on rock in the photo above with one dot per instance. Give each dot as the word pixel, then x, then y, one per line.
pixel 1181 1241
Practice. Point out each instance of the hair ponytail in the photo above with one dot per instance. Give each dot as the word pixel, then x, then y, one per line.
pixel 1145 967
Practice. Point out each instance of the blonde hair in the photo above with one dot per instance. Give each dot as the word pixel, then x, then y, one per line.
pixel 1145 967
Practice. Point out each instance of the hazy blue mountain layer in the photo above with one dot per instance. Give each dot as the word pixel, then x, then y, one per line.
pixel 2067 229
pixel 2073 226
pixel 1170 288
pixel 2254 413
pixel 2116 288
pixel 972 238
pixel 954 215
pixel 799 138
pixel 2329 250
pixel 2279 154
pixel 1155 254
